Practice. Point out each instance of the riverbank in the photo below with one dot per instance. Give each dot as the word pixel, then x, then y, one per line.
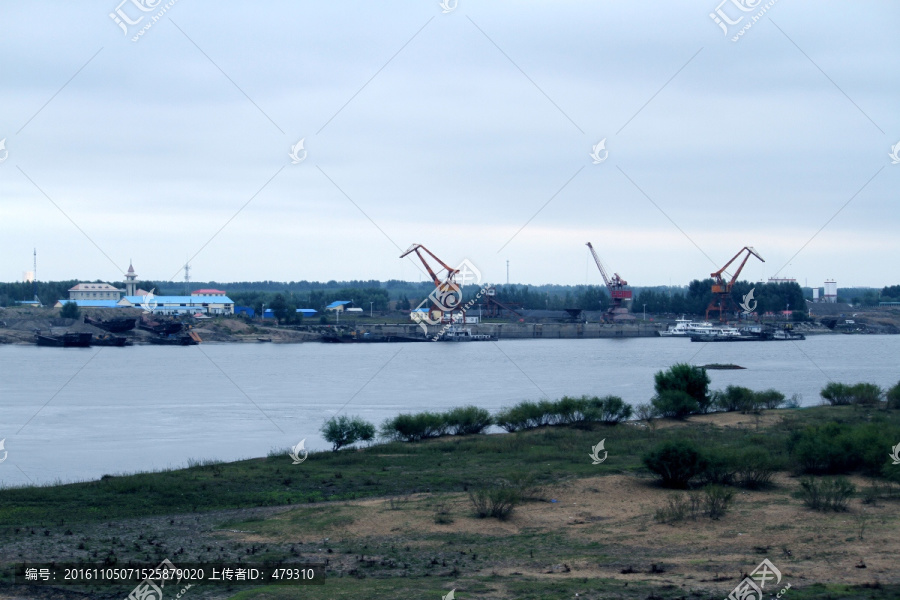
pixel 18 325
pixel 395 520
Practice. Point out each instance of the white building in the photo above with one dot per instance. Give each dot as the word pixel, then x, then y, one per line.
pixel 178 305
pixel 95 291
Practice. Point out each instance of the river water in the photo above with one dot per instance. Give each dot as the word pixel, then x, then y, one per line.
pixel 74 414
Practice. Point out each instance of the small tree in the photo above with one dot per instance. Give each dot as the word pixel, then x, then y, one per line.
pixel 343 431
pixel 69 310
pixel 682 377
pixel 893 396
pixel 676 463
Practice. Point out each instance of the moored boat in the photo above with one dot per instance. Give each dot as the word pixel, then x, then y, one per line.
pixel 67 340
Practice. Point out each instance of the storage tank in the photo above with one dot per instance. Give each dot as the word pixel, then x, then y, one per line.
pixel 830 290
pixel 815 294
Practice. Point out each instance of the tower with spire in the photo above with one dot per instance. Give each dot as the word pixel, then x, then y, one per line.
pixel 130 280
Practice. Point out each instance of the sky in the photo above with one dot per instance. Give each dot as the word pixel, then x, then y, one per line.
pixel 468 127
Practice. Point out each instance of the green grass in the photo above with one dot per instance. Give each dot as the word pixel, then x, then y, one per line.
pixel 550 454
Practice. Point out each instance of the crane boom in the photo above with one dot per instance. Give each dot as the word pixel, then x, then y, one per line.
pixel 437 282
pixel 616 286
pixel 721 289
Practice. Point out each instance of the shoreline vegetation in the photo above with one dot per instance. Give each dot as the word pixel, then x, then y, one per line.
pixel 663 506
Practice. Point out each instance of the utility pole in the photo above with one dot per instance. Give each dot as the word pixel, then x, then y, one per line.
pixel 507 271
pixel 371 309
pixel 645 312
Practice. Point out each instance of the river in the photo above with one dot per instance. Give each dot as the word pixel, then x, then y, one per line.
pixel 75 414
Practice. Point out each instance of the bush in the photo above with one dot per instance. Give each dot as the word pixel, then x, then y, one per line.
pixel 675 403
pixel 609 410
pixel 770 399
pixel 866 394
pixel 676 463
pixel 525 415
pixel 646 412
pixel 826 494
pixel 69 310
pixel 754 468
pixel 836 448
pixel 496 501
pixel 467 420
pixel 721 469
pixel 343 431
pixel 735 398
pixel 716 499
pixel 837 394
pixel 693 381
pixel 893 396
pixel 413 428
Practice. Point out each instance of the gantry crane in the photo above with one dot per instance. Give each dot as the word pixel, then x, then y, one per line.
pixel 616 286
pixel 447 295
pixel 722 301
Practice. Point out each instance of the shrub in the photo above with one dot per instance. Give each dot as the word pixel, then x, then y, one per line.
pixel 496 501
pixel 866 394
pixel 676 463
pixel 755 467
pixel 826 494
pixel 343 431
pixel 720 469
pixel 837 394
pixel 693 381
pixel 467 420
pixel 525 415
pixel 570 411
pixel 770 399
pixel 716 500
pixel 735 398
pixel 610 409
pixel 645 412
pixel 69 310
pixel 412 428
pixel 678 508
pixel 836 448
pixel 893 396
pixel 675 403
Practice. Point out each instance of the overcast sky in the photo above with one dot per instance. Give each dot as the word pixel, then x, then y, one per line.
pixel 469 131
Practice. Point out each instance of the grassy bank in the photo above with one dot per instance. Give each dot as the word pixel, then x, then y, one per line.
pixel 396 519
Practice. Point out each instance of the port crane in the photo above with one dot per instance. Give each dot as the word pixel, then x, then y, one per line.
pixel 722 301
pixel 447 295
pixel 616 286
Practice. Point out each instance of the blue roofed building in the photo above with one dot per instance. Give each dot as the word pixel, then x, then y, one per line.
pixel 339 305
pixel 88 303
pixel 307 312
pixel 243 310
pixel 179 305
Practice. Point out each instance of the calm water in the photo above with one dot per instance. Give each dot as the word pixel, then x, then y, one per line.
pixel 73 414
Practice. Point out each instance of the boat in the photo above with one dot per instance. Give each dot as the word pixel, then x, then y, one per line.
pixel 115 325
pixel 110 340
pixel 464 334
pixel 160 327
pixel 686 327
pixel 173 340
pixel 67 340
pixel 722 333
